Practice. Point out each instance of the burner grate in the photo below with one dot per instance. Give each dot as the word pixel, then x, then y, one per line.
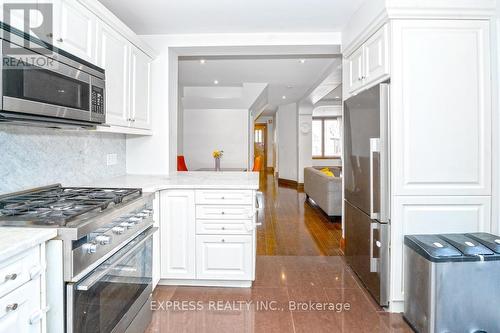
pixel 59 205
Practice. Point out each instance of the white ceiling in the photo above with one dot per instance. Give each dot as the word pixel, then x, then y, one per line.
pixel 286 76
pixel 233 16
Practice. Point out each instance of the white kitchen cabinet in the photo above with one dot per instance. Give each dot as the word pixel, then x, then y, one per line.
pixel 140 85
pixel 177 232
pixel 432 215
pixel 369 63
pixel 75 29
pixel 355 65
pixel 20 310
pixel 227 257
pixel 441 108
pixel 113 56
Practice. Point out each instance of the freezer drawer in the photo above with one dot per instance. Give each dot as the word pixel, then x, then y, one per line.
pixel 367 251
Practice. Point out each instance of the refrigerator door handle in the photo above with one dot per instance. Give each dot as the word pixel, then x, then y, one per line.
pixel 374 148
pixel 374 252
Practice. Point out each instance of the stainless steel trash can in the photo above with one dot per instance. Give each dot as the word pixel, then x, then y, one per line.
pixel 452 283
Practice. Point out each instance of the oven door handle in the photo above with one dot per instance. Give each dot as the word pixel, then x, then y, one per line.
pixel 86 284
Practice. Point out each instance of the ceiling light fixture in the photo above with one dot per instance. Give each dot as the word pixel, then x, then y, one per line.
pixel 216 82
pixel 202 61
pixel 283 97
pixel 302 61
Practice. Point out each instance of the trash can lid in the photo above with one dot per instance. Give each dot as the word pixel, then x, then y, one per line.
pixel 450 247
pixel 490 241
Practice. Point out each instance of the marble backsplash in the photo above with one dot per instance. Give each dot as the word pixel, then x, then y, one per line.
pixel 33 156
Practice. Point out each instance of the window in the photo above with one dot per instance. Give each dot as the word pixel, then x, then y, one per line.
pixel 326 137
pixel 258 138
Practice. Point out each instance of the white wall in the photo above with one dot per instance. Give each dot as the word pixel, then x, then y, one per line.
pixel 304 137
pixel 208 130
pixel 287 141
pixel 270 138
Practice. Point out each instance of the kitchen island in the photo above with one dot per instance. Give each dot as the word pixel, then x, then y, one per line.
pixel 207 224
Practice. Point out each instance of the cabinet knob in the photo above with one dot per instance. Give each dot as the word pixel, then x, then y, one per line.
pixel 223 240
pixel 12 276
pixel 50 35
pixel 12 307
pixel 223 228
pixel 222 213
pixel 60 40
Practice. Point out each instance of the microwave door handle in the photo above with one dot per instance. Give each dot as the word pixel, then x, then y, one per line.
pixel 374 148
pixel 90 281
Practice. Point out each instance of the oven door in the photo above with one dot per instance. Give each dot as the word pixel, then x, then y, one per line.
pixel 44 87
pixel 111 297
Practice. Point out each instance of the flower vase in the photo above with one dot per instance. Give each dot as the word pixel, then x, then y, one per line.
pixel 217 164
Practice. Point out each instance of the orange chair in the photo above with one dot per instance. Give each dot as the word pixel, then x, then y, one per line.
pixel 181 163
pixel 257 163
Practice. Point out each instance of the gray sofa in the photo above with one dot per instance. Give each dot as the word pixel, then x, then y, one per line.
pixel 325 191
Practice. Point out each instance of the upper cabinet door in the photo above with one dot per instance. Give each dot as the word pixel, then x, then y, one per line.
pixel 113 56
pixel 376 58
pixel 356 69
pixel 141 89
pixel 441 110
pixel 75 29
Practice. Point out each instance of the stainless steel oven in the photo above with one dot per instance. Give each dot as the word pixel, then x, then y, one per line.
pixel 115 296
pixel 40 83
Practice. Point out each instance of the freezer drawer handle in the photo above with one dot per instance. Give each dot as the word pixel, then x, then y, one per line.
pixel 373 261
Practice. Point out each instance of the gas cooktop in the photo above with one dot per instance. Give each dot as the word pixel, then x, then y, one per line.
pixel 57 205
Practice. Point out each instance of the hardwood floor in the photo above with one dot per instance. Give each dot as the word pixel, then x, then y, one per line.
pixel 291 226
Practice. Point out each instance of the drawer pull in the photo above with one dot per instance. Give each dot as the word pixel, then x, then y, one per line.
pixel 35 272
pixel 223 228
pixel 12 307
pixel 38 315
pixel 222 213
pixel 223 241
pixel 12 277
pixel 222 198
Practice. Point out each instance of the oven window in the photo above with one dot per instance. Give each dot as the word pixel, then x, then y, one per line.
pixel 45 86
pixel 100 308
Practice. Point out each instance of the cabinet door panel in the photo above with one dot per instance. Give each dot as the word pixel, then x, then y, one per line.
pixel 141 89
pixel 441 109
pixel 224 257
pixel 114 58
pixel 376 56
pixel 432 215
pixel 356 70
pixel 177 231
pixel 75 29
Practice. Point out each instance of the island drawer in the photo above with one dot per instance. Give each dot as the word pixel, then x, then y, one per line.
pixel 229 197
pixel 224 227
pixel 19 269
pixel 217 212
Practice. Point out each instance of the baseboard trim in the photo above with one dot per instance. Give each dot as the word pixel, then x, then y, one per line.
pixel 206 283
pixel 287 182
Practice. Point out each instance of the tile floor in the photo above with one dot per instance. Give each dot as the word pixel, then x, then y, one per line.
pixel 282 282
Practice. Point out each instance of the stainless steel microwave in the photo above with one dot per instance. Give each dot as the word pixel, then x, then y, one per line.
pixel 41 84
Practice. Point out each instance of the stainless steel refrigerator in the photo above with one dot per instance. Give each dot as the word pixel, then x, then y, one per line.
pixel 366 188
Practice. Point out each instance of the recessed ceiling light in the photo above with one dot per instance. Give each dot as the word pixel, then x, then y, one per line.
pixel 216 82
pixel 283 97
pixel 202 61
pixel 337 97
pixel 302 61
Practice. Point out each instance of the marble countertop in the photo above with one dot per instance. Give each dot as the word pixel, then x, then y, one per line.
pixel 16 240
pixel 185 180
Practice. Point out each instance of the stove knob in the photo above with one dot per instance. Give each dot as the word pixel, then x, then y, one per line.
pixel 127 225
pixel 89 247
pixel 103 239
pixel 118 230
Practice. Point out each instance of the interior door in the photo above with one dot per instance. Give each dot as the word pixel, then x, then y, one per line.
pixel 361 123
pixel 260 143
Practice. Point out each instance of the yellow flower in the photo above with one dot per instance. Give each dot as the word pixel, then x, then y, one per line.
pixel 218 153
